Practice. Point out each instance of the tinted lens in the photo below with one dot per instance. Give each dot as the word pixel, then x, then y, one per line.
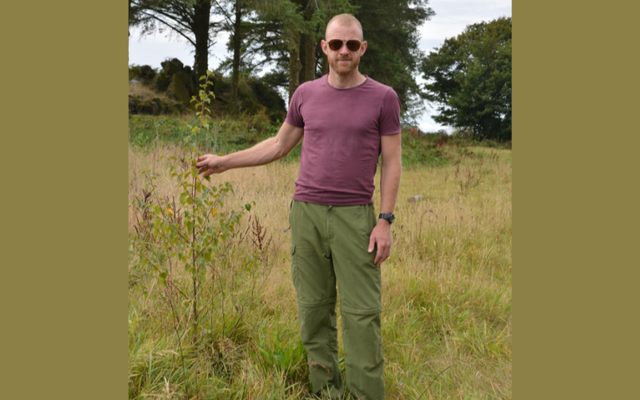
pixel 353 45
pixel 336 44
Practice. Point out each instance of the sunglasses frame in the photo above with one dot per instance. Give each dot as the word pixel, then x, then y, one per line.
pixel 342 42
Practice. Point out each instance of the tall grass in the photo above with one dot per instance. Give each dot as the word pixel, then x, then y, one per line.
pixel 446 289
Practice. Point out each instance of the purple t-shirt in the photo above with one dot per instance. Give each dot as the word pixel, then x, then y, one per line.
pixel 341 144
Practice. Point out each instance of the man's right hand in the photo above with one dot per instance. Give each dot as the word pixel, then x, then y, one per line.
pixel 209 164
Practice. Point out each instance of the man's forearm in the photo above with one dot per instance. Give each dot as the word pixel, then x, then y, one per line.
pixel 390 173
pixel 263 153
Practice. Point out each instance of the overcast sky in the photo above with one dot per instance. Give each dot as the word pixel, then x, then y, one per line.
pixel 452 16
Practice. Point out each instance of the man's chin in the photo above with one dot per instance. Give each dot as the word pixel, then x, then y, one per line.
pixel 344 70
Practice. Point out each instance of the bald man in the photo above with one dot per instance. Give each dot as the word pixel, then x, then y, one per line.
pixel 347 120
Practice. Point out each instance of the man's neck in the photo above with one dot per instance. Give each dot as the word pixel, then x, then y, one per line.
pixel 338 81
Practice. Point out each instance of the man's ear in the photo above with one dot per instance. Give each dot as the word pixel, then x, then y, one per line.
pixel 324 45
pixel 363 48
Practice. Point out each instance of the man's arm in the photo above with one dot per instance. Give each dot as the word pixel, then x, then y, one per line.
pixel 263 153
pixel 390 172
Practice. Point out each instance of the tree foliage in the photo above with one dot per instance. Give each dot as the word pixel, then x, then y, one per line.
pixel 393 57
pixel 189 19
pixel 284 36
pixel 287 35
pixel 469 78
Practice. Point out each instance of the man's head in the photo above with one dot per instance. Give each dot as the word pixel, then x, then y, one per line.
pixel 344 43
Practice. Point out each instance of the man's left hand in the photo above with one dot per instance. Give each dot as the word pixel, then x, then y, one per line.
pixel 381 236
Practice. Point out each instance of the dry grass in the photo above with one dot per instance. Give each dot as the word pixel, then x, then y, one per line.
pixel 446 286
pixel 144 92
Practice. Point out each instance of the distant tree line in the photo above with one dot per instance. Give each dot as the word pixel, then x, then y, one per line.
pixel 285 35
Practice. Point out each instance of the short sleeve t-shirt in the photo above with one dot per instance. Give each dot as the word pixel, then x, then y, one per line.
pixel 341 144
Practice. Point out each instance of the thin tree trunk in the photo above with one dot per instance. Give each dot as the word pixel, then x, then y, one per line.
pixel 294 70
pixel 325 62
pixel 308 47
pixel 202 14
pixel 295 65
pixel 237 41
pixel 307 58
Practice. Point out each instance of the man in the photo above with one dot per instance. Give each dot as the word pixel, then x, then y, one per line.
pixel 347 120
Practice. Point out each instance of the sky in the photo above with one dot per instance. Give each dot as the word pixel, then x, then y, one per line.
pixel 452 16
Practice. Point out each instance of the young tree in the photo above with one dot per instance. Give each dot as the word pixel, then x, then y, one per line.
pixel 470 80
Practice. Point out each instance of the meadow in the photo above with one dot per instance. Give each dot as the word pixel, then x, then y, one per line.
pixel 446 287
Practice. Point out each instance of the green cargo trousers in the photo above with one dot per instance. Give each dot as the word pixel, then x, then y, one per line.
pixel 329 243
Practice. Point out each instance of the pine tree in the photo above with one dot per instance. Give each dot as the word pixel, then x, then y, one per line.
pixel 189 19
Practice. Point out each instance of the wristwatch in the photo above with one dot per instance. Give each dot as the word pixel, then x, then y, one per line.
pixel 389 217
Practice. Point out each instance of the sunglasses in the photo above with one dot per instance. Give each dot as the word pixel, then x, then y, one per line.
pixel 336 44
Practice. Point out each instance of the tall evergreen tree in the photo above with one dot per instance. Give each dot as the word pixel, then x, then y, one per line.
pixel 470 80
pixel 393 57
pixel 234 21
pixel 189 19
pixel 391 31
pixel 288 33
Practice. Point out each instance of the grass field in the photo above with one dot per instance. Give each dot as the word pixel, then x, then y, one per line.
pixel 446 288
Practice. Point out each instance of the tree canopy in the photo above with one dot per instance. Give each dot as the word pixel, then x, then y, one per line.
pixel 189 19
pixel 469 79
pixel 393 57
pixel 285 35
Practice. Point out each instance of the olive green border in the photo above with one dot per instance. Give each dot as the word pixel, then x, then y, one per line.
pixel 575 200
pixel 64 158
pixel 575 214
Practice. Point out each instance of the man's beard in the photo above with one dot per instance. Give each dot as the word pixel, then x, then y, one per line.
pixel 344 69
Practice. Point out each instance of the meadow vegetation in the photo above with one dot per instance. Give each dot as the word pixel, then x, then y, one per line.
pixel 446 287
